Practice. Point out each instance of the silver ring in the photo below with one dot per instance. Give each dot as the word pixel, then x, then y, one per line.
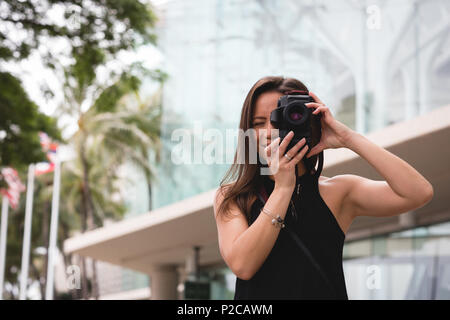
pixel 289 158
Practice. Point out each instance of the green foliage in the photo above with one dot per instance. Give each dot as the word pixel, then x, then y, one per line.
pixel 20 123
pixel 110 25
pixel 95 30
pixel 108 99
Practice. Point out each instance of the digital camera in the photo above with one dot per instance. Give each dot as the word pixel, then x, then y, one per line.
pixel 292 114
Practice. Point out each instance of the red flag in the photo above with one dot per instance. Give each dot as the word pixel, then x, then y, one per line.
pixel 50 148
pixel 15 186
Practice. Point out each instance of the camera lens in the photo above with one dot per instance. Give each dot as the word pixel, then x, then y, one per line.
pixel 295 114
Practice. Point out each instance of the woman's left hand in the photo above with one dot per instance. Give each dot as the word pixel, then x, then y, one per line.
pixel 334 133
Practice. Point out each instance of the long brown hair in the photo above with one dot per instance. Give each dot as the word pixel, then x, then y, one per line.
pixel 241 181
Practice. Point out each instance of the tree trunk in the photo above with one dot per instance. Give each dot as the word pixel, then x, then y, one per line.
pixel 88 205
pixel 68 260
pixel 149 187
pixel 87 198
pixel 38 276
pixel 82 262
pixel 95 288
pixel 84 282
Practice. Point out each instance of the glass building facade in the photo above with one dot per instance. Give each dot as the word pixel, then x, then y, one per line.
pixel 374 63
pixel 412 264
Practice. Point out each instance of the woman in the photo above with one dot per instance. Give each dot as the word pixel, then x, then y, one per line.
pixel 266 260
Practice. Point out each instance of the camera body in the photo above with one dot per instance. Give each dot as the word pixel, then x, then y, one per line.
pixel 292 114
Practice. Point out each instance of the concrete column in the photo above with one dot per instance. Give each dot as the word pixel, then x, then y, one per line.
pixel 163 282
pixel 407 219
pixel 192 262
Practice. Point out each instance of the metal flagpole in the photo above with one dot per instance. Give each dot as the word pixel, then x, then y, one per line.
pixel 3 242
pixel 27 234
pixel 53 232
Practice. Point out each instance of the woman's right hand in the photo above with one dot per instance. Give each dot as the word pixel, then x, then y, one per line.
pixel 283 169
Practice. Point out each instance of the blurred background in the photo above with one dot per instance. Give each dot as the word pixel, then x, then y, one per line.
pixel 93 93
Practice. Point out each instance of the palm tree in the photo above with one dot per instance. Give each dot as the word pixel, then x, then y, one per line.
pixel 120 127
pixel 105 197
pixel 131 133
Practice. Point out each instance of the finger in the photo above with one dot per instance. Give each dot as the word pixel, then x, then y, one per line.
pixel 299 156
pixel 313 105
pixel 316 150
pixel 274 156
pixel 294 150
pixel 285 142
pixel 322 110
pixel 319 110
pixel 316 98
pixel 272 147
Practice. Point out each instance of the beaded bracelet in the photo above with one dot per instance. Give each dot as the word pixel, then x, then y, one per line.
pixel 275 221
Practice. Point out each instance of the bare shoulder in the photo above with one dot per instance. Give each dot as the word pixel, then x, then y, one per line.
pixel 219 196
pixel 222 190
pixel 335 189
pixel 342 182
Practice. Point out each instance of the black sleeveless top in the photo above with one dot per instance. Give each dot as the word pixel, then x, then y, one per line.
pixel 287 273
